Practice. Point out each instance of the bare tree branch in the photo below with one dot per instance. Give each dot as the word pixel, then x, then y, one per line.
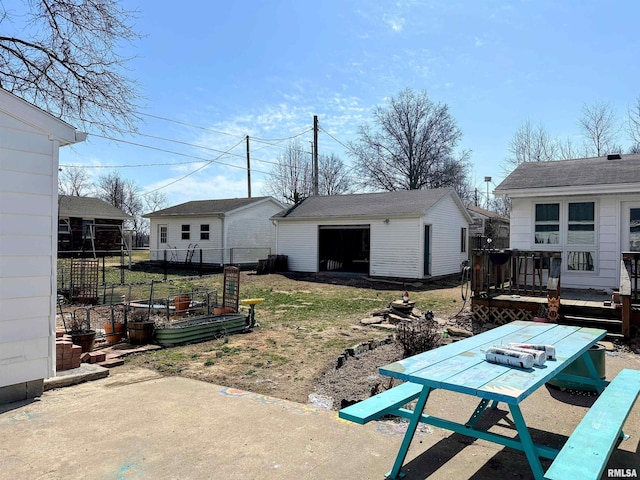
pixel 63 55
pixel 412 145
pixel 598 127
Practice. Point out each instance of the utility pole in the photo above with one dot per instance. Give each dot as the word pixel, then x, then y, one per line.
pixel 315 155
pixel 248 170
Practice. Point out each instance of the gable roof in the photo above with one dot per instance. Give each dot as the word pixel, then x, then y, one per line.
pixel 218 207
pixel 486 213
pixel 384 204
pixel 88 207
pixel 29 114
pixel 592 175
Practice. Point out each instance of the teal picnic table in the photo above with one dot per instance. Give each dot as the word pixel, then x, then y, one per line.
pixel 461 367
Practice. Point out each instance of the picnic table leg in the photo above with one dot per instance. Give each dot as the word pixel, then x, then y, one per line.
pixel 527 442
pixel 593 373
pixel 395 474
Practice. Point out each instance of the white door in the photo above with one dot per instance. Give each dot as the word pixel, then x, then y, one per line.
pixel 630 238
pixel 162 237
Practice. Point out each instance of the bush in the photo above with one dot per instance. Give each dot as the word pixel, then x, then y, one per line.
pixel 418 336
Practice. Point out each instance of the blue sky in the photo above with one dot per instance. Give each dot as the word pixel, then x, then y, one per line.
pixel 225 70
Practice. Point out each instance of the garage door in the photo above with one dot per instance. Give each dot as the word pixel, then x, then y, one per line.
pixel 344 248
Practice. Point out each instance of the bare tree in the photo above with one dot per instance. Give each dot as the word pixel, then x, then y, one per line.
pixel 123 194
pixel 530 144
pixel 74 181
pixel 599 128
pixel 154 201
pixel 333 176
pixel 633 123
pixel 567 150
pixel 411 145
pixel 63 55
pixel 291 178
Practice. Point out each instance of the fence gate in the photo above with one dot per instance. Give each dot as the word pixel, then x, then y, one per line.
pixel 84 281
pixel 231 292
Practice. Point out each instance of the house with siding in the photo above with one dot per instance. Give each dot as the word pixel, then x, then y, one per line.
pixel 588 209
pixel 411 234
pixel 30 139
pixel 87 224
pixel 232 230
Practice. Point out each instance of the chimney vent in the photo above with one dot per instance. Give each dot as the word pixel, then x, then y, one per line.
pixel 614 156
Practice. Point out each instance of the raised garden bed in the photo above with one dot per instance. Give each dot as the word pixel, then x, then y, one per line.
pixel 200 329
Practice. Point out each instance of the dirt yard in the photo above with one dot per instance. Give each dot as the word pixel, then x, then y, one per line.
pixel 306 322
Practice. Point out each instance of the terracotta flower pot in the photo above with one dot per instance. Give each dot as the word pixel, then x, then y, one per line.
pixel 114 335
pixel 181 302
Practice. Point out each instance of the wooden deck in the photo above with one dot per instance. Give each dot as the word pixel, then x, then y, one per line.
pixel 568 297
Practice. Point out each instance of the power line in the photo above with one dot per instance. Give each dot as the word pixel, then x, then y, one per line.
pixel 196 170
pixel 142 145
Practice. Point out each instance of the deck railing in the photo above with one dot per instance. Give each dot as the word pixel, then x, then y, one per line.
pixel 629 274
pixel 515 272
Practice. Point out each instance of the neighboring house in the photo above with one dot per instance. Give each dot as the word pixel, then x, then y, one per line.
pixel 233 230
pixel 404 234
pixel 487 224
pixel 29 143
pixel 588 209
pixel 89 224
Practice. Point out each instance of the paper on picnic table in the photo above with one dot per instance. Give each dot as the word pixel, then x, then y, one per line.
pixel 549 350
pixel 510 357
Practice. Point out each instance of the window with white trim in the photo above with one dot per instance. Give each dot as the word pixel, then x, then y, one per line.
pixel 204 231
pixel 463 240
pixel 581 230
pixel 163 234
pixel 547 229
pixel 186 232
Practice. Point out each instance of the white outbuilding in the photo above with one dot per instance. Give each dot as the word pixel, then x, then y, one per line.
pixel 29 143
pixel 221 231
pixel 410 234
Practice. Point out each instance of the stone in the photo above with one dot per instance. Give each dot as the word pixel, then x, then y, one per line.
pixel 393 318
pixel 608 346
pixel 371 320
pixel 459 332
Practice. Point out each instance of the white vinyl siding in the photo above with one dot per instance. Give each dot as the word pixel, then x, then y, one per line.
pixel 299 241
pixel 607 246
pixel 446 219
pixel 28 225
pixel 241 236
pixel 396 246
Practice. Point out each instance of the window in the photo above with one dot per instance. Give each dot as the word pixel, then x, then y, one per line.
pixel 163 234
pixel 87 229
pixel 547 223
pixel 581 225
pixel 580 261
pixel 186 232
pixel 63 225
pixel 463 240
pixel 204 232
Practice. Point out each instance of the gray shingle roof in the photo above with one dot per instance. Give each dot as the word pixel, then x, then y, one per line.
pixel 486 213
pixel 206 207
pixel 399 203
pixel 88 207
pixel 573 173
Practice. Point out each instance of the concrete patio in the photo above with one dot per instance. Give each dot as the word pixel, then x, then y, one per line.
pixel 135 424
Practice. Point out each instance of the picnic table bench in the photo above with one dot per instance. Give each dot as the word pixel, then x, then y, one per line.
pixel 586 453
pixel 461 368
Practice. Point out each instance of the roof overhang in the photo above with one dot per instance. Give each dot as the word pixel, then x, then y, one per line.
pixel 569 190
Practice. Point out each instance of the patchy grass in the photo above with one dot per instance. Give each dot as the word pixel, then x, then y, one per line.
pixel 304 326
